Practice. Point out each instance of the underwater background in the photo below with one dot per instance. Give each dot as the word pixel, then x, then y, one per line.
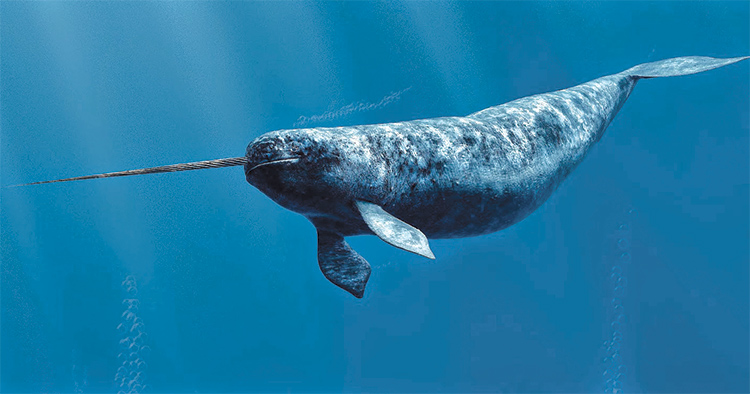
pixel 633 276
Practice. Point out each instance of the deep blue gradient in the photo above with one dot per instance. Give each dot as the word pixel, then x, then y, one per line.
pixel 230 292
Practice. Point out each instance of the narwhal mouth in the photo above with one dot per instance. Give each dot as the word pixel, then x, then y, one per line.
pixel 276 161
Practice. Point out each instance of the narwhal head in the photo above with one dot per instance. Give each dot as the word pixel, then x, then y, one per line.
pixel 295 168
pixel 299 169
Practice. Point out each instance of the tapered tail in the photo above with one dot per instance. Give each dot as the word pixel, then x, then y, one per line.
pixel 197 165
pixel 680 66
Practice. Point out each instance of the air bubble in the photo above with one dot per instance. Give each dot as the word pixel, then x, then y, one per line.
pixel 624 227
pixel 137 327
pixel 619 291
pixel 128 316
pixel 130 302
pixel 623 243
pixel 129 281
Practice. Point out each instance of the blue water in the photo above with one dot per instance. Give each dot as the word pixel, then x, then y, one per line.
pixel 633 276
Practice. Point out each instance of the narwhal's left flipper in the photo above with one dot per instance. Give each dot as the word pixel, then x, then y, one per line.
pixel 341 264
pixel 393 230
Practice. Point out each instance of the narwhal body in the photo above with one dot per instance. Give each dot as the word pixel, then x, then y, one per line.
pixel 438 178
pixel 449 177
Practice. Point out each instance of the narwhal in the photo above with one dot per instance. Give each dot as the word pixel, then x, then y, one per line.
pixel 434 178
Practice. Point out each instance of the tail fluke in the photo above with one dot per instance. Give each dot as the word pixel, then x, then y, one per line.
pixel 680 66
pixel 197 165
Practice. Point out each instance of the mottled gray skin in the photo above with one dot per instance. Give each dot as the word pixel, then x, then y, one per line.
pixel 449 177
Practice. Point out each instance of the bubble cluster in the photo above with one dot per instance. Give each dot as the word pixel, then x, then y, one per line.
pixel 349 109
pixel 80 378
pixel 133 350
pixel 614 369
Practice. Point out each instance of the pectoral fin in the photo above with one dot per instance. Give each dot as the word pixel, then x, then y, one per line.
pixel 394 231
pixel 341 264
